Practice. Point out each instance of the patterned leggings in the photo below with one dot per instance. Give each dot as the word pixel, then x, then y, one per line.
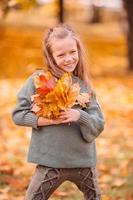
pixel 47 179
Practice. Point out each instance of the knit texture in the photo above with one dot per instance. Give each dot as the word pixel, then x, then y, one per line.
pixel 63 145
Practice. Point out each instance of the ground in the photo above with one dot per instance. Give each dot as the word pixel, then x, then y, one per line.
pixel 113 85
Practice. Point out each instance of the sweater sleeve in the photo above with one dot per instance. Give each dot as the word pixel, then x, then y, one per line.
pixel 91 120
pixel 22 114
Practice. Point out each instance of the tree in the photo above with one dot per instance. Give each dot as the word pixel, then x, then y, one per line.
pixel 128 5
pixel 7 5
pixel 96 17
pixel 61 11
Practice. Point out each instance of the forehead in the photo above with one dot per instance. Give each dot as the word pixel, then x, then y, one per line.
pixel 65 44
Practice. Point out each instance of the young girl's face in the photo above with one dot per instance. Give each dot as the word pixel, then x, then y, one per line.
pixel 65 53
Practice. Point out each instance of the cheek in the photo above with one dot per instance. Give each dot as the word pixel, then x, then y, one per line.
pixel 55 59
pixel 77 57
pixel 58 61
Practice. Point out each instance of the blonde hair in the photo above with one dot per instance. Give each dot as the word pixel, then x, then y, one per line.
pixel 62 31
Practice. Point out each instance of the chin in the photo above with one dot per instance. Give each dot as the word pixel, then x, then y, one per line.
pixel 70 69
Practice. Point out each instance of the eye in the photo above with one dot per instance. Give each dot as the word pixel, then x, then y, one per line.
pixel 73 51
pixel 60 55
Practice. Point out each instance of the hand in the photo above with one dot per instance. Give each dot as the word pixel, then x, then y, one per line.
pixel 45 121
pixel 69 115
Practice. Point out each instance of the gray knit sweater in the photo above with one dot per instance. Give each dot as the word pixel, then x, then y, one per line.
pixel 63 145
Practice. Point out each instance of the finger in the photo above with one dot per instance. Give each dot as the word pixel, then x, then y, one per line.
pixel 66 115
pixel 62 117
pixel 63 114
pixel 67 121
pixel 63 111
pixel 58 122
pixel 66 110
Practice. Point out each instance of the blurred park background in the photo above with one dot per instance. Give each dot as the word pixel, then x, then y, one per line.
pixel 106 29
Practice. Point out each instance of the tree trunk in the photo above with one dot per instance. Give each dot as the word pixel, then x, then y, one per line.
pixel 61 11
pixel 128 5
pixel 4 8
pixel 96 17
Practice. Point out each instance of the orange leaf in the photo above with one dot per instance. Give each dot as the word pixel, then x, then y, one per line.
pixel 51 100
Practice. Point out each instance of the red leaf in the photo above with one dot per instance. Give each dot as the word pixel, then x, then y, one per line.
pixel 43 91
pixel 43 78
pixel 47 85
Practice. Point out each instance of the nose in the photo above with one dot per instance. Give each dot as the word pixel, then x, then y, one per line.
pixel 68 59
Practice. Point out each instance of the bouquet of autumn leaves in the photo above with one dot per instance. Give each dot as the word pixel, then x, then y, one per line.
pixel 51 97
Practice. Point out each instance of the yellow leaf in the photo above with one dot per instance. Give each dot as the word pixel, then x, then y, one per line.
pixel 63 95
pixel 118 182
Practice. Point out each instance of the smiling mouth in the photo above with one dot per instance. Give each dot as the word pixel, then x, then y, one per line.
pixel 69 65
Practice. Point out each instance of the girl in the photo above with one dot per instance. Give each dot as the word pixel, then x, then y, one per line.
pixel 63 148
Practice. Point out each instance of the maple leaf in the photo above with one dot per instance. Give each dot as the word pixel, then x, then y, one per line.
pixel 52 97
pixel 44 83
pixel 83 99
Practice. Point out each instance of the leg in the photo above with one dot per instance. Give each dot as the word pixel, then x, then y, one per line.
pixel 86 181
pixel 44 182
